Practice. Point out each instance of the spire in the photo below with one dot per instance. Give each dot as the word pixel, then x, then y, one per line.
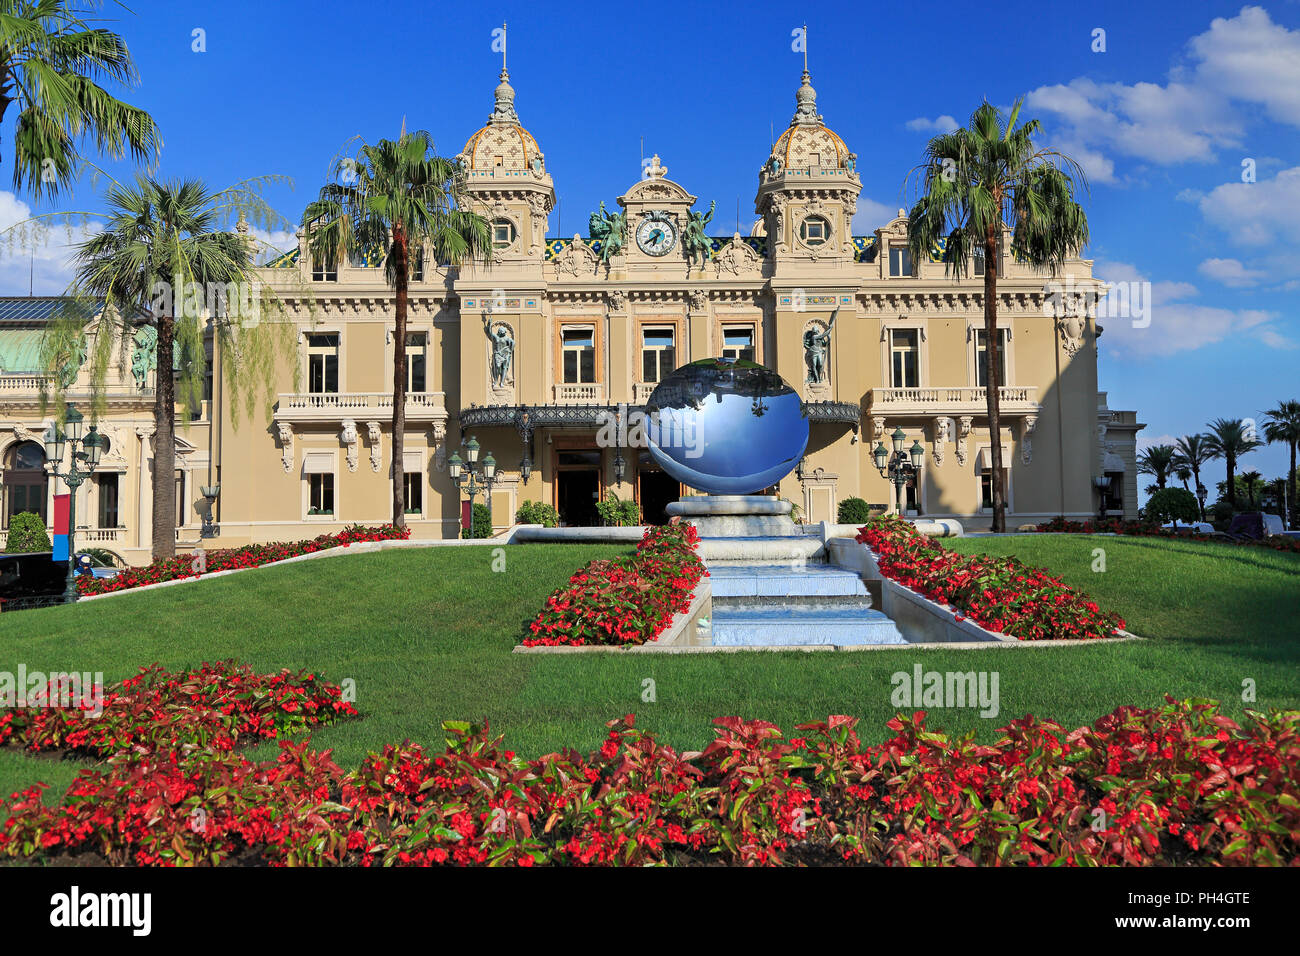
pixel 504 110
pixel 805 113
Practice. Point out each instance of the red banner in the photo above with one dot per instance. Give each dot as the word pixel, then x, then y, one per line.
pixel 60 514
pixel 466 515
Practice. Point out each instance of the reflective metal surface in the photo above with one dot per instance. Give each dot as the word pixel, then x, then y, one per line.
pixel 726 427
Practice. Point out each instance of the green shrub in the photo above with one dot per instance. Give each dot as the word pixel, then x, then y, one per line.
pixel 854 511
pixel 537 512
pixel 27 534
pixel 480 523
pixel 1172 504
pixel 616 512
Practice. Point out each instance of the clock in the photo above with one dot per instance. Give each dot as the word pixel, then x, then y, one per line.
pixel 657 234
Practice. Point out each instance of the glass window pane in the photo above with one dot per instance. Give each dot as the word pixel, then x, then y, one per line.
pixel 588 365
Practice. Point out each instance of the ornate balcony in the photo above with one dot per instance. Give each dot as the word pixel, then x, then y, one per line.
pixel 333 407
pixel 1014 401
pixel 579 394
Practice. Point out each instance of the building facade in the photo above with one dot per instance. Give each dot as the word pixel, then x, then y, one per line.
pixel 534 349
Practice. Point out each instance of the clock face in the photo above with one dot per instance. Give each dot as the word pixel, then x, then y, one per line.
pixel 655 236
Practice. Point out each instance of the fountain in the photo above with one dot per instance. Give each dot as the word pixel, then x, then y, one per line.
pixel 731 428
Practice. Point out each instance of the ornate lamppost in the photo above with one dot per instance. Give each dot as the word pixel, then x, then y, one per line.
pixel 210 492
pixel 470 471
pixel 903 467
pixel 1102 484
pixel 1201 494
pixel 92 445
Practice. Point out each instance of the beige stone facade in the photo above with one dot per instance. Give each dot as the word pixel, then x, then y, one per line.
pixel 592 330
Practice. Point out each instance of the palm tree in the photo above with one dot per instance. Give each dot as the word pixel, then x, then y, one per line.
pixel 1184 474
pixel 1251 480
pixel 156 235
pixel 1157 461
pixel 1229 439
pixel 50 59
pixel 1192 451
pixel 1282 424
pixel 400 197
pixel 975 180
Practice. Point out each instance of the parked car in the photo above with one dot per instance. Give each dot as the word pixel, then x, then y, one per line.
pixel 31 580
pixel 96 566
pixel 1254 526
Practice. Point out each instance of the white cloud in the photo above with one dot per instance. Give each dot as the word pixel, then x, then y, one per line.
pixel 36 256
pixel 1231 272
pixel 1172 324
pixel 940 124
pixel 1245 60
pixel 1146 441
pixel 871 215
pixel 1258 213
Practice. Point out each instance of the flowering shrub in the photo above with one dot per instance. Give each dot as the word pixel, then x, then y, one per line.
pixel 1151 529
pixel 625 601
pixel 249 556
pixel 999 594
pixel 1177 784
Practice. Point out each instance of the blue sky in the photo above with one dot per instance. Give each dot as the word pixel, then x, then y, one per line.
pixel 1162 120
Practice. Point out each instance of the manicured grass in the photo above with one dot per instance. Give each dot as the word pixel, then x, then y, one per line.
pixel 427 634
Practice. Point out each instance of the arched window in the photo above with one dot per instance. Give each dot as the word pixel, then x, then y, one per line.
pixel 24 481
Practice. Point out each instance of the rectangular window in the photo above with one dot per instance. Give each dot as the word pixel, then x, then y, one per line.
pixel 413 484
pixel 900 261
pixel 1115 491
pixel 416 351
pixel 986 488
pixel 981 357
pixel 323 364
pixel 321 497
pixel 323 273
pixel 181 506
pixel 579 355
pixel 658 353
pixel 905 358
pixel 738 342
pixel 107 500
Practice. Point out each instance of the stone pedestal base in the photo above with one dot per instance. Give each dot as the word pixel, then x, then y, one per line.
pixel 736 516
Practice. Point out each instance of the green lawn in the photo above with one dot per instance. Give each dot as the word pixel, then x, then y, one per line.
pixel 427 634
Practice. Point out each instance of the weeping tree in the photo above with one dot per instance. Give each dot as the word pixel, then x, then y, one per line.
pixel 399 197
pixel 52 58
pixel 163 268
pixel 972 182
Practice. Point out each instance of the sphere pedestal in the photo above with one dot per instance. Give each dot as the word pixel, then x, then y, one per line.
pixel 735 516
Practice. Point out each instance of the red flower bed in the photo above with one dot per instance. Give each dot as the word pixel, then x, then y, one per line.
pixel 1151 529
pixel 1178 784
pixel 626 601
pixel 211 706
pixel 226 559
pixel 999 594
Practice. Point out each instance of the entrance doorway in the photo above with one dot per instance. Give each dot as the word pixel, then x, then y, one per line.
pixel 655 489
pixel 577 486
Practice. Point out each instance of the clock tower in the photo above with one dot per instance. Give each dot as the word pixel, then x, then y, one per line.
pixel 657 211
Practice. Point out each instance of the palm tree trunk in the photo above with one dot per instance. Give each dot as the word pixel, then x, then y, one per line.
pixel 164 455
pixel 991 354
pixel 1232 481
pixel 400 257
pixel 1290 491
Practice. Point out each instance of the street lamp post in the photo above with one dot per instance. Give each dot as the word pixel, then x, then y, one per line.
pixel 1102 484
pixel 1201 494
pixel 903 467
pixel 92 445
pixel 470 471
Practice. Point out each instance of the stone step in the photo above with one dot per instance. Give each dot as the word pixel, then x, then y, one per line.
pixel 795 624
pixel 849 602
pixel 784 580
pixel 761 550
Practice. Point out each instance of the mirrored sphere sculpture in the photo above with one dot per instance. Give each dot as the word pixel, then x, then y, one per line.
pixel 726 426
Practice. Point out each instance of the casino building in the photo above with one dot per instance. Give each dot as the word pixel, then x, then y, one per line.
pixel 533 350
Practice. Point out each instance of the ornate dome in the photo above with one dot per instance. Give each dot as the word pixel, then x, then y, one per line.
pixel 807 141
pixel 503 143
